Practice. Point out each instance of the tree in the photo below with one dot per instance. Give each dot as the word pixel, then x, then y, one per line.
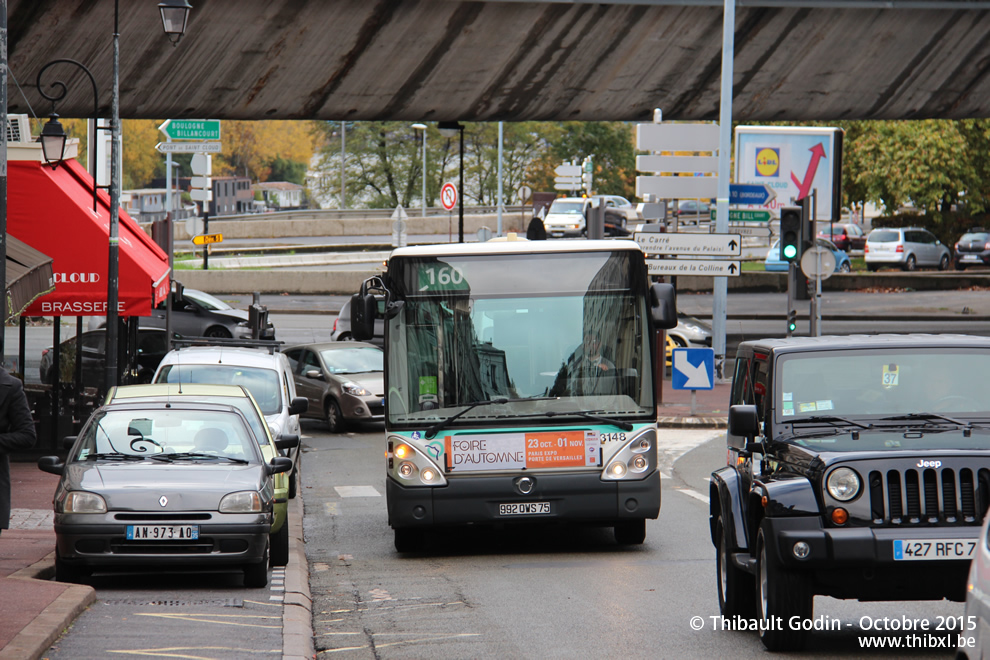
pixel 249 147
pixel 283 169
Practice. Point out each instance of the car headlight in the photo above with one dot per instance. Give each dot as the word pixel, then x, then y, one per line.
pixel 354 389
pixel 246 501
pixel 843 484
pixel 79 501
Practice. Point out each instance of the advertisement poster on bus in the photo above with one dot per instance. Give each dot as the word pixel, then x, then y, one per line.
pixel 793 161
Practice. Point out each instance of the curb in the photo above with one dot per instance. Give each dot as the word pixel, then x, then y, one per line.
pixel 38 636
pixel 692 422
pixel 297 605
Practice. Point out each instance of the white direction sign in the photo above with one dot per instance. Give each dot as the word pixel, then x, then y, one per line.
pixel 698 245
pixel 677 137
pixel 189 147
pixel 701 267
pixel 568 170
pixel 677 187
pixel 750 230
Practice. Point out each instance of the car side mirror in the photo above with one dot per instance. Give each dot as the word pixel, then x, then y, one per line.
pixel 68 441
pixel 313 373
pixel 364 308
pixel 279 464
pixel 51 464
pixel 298 405
pixel 287 441
pixel 663 307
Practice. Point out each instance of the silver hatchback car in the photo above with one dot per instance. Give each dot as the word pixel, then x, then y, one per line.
pixel 907 248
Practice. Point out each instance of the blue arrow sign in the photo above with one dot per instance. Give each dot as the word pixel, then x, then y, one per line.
pixel 750 193
pixel 693 369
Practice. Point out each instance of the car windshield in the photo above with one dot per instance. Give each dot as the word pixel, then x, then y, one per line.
pixel 353 360
pixel 880 388
pixel 263 384
pixel 884 236
pixel 134 432
pixel 576 208
pixel 206 300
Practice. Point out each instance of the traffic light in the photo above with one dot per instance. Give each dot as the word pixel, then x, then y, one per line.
pixel 791 322
pixel 790 233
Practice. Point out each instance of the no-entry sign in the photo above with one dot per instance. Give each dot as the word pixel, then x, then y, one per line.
pixel 448 196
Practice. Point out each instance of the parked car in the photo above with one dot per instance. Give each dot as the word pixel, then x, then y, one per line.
pixel 265 373
pixel 199 314
pixel 773 262
pixel 973 249
pixel 845 236
pixel 907 248
pixel 343 382
pixel 240 398
pixel 690 211
pixel 151 348
pixel 566 217
pixel 169 483
pixel 620 208
pixel 974 638
pixel 342 325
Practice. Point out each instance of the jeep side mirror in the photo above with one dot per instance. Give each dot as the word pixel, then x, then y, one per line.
pixel 364 307
pixel 663 306
pixel 744 426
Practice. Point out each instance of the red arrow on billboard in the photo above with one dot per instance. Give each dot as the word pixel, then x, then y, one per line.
pixel 804 187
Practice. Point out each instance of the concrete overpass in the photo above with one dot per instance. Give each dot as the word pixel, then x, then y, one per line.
pixel 430 60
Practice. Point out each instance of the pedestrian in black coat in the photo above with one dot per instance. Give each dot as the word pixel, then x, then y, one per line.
pixel 16 433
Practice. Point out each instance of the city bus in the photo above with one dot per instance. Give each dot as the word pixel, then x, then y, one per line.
pixel 520 384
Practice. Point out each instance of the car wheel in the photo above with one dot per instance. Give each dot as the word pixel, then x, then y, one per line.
pixel 280 545
pixel 333 417
pixel 218 332
pixel 911 264
pixel 736 588
pixel 679 341
pixel 780 595
pixel 345 336
pixel 409 540
pixel 256 575
pixel 630 532
pixel 67 572
pixel 943 264
pixel 845 267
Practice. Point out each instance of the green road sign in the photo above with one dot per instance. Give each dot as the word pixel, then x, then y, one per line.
pixel 742 215
pixel 191 129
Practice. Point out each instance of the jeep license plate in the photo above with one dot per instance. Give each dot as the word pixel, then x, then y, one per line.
pixel 523 508
pixel 924 549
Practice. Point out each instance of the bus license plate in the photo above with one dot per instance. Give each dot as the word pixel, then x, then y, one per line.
pixel 927 549
pixel 523 508
pixel 162 532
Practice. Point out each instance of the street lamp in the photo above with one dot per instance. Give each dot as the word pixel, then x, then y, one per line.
pixel 422 127
pixel 175 14
pixel 449 129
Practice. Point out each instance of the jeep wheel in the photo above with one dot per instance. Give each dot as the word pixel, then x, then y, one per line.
pixel 630 532
pixel 736 588
pixel 780 595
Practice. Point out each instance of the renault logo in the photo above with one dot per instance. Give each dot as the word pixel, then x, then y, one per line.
pixel 163 501
pixel 525 485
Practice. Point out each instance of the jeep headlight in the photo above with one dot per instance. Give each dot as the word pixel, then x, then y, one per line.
pixel 843 484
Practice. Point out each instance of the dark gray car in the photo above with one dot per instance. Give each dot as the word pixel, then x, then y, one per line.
pixel 159 485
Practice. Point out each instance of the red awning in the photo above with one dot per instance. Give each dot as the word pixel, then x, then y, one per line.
pixel 52 211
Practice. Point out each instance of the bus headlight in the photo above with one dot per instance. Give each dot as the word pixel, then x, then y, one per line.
pixel 410 465
pixel 636 459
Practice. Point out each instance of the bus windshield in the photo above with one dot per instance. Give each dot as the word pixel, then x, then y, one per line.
pixel 558 333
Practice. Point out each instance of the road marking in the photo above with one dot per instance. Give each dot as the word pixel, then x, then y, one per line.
pixel 330 508
pixel 213 618
pixel 693 493
pixel 357 491
pixel 184 651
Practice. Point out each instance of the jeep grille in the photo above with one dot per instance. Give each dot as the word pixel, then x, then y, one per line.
pixel 929 496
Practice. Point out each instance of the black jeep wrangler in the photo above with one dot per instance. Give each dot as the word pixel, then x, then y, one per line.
pixel 851 460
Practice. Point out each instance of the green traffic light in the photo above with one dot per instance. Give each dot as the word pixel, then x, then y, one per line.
pixel 792 326
pixel 790 251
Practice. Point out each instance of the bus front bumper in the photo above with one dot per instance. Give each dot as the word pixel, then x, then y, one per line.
pixel 572 497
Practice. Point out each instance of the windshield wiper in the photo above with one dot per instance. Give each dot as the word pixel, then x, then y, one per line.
pixel 181 456
pixel 834 420
pixel 926 417
pixel 442 424
pixel 625 426
pixel 118 456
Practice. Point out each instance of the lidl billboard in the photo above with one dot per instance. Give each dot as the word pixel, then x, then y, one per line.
pixel 793 161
